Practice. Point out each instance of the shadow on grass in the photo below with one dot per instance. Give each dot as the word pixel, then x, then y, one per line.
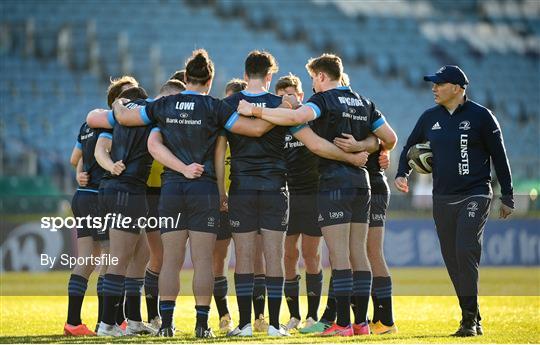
pixel 185 338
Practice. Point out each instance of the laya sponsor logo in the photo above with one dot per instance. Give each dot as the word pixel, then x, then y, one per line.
pixel 336 215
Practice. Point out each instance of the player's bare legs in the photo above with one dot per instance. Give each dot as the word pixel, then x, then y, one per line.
pixel 202 258
pixel 292 254
pixel 174 251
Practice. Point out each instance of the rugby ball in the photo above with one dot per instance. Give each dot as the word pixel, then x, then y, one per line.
pixel 420 158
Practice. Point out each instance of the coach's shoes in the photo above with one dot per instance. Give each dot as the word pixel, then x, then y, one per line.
pixel 77 331
pixel 292 324
pixel 361 328
pixel 338 331
pixel 246 331
pixel 139 328
pixel 260 324
pixel 167 332
pixel 106 330
pixel 380 328
pixel 467 326
pixel 317 327
pixel 226 324
pixel 479 329
pixel 277 332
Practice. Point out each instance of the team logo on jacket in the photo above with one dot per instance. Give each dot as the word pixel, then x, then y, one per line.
pixel 465 125
pixel 472 207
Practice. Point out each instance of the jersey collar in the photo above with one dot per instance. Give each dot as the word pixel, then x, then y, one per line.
pixel 190 92
pixel 245 93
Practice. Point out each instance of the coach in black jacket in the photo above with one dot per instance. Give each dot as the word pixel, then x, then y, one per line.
pixel 463 136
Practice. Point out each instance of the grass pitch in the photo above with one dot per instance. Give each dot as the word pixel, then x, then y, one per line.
pixel 421 318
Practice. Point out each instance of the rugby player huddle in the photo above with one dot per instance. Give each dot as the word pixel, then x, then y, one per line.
pixel 296 171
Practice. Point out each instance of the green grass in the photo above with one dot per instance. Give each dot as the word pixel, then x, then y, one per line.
pixel 421 318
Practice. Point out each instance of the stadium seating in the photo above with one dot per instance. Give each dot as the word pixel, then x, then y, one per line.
pixel 386 49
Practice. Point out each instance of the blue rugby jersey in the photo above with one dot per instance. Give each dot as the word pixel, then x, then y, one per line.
pixel 337 111
pixel 190 123
pixel 129 144
pixel 257 163
pixel 86 142
pixel 462 145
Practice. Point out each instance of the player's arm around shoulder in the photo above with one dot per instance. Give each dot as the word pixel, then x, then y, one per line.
pixel 278 116
pixel 130 116
pixel 323 148
pixel 248 127
pixel 100 118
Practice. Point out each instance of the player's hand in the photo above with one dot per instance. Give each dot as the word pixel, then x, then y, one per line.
pixel 347 144
pixel 120 101
pixel 193 171
pixel 117 168
pixel 244 108
pixel 290 101
pixel 402 184
pixel 505 211
pixel 223 203
pixel 359 159
pixel 384 159
pixel 83 178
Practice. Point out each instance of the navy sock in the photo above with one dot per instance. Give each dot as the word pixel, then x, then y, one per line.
pixel 134 288
pixel 361 292
pixel 243 284
pixel 343 283
pixel 202 315
pixel 382 286
pixel 76 290
pixel 259 294
pixel 329 314
pixel 113 292
pixel 99 288
pixel 314 290
pixel 375 306
pixel 166 309
pixel 220 295
pixel 274 285
pixel 121 309
pixel 152 293
pixel 292 292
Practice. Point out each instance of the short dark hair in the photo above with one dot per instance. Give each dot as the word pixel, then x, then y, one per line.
pixel 327 63
pixel 134 93
pixel 199 68
pixel 288 81
pixel 235 85
pixel 115 88
pixel 179 75
pixel 172 86
pixel 259 64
